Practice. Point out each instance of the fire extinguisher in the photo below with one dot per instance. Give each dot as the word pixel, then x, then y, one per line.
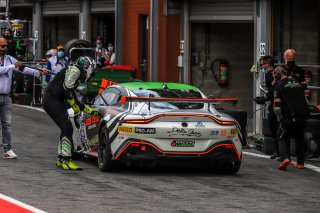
pixel 308 77
pixel 220 71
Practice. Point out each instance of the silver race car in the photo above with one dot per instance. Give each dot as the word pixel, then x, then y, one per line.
pixel 146 122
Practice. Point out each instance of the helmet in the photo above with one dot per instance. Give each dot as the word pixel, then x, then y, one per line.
pixel 88 65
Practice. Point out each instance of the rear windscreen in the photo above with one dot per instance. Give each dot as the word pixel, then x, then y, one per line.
pixel 172 93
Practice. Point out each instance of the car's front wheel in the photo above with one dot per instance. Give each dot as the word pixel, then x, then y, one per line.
pixel 105 162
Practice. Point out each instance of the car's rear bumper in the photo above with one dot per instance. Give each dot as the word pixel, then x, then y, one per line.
pixel 144 150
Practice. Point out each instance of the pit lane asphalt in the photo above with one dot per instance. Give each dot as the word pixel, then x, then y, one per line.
pixel 33 179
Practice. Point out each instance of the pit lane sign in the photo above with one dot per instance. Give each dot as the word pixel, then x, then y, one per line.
pixel 262 49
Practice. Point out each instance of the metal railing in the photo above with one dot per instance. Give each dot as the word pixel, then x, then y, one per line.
pixel 39 83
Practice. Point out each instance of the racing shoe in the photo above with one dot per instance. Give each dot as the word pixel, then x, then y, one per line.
pixel 59 162
pixel 284 164
pixel 299 166
pixel 69 165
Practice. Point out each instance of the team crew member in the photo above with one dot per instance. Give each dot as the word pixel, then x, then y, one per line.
pixel 292 110
pixel 8 65
pixel 267 62
pixel 60 89
pixel 294 71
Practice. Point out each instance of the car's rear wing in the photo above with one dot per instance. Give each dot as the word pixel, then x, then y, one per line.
pixel 214 101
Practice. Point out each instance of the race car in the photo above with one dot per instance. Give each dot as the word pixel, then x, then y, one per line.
pixel 146 122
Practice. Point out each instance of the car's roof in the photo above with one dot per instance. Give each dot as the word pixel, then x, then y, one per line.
pixel 157 85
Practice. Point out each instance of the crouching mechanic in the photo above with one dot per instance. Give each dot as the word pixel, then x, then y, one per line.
pixel 61 90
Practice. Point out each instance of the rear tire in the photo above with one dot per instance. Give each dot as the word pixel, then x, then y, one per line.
pixel 78 43
pixel 233 167
pixel 105 162
pixel 312 145
pixel 268 145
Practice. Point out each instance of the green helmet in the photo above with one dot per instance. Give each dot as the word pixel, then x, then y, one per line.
pixel 88 65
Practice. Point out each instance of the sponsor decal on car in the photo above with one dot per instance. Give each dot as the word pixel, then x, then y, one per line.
pixel 215 132
pixel 176 132
pixel 92 120
pixel 200 124
pixel 183 143
pixel 223 132
pixel 233 132
pixel 145 130
pixel 126 129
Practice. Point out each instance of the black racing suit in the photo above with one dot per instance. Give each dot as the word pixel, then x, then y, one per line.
pixel 58 92
pixel 295 112
pixel 272 118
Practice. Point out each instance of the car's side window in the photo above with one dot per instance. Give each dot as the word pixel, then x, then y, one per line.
pixel 111 96
pixel 98 101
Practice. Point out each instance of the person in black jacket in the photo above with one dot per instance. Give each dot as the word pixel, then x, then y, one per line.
pixel 61 90
pixel 294 71
pixel 267 64
pixel 292 111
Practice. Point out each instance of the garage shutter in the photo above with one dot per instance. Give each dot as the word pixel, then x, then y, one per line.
pixel 221 10
pixel 20 3
pixel 102 6
pixel 70 7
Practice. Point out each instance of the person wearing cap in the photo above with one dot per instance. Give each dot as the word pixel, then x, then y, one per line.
pixel 292 111
pixel 57 63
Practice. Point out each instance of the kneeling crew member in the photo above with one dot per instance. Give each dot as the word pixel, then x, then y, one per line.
pixel 60 89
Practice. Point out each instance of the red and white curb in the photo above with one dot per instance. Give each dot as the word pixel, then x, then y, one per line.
pixel 306 165
pixel 10 205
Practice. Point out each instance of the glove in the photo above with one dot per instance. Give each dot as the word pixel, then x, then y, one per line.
pixel 74 106
pixel 259 100
pixel 91 111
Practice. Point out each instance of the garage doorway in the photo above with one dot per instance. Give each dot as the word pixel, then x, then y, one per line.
pixel 232 42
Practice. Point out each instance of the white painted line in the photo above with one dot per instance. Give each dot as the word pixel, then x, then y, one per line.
pixel 312 167
pixel 30 107
pixel 18 203
pixel 306 165
pixel 256 155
